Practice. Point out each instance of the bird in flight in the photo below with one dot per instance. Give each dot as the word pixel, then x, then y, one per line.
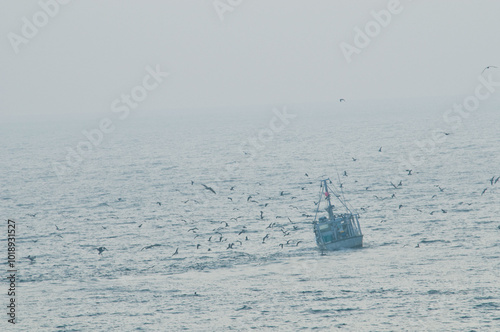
pixel 176 252
pixel 100 250
pixel 488 68
pixel 209 188
pixel 342 100
pixel 151 246
pixel 31 258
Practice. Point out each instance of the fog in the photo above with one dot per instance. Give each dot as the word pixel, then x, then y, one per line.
pixel 83 55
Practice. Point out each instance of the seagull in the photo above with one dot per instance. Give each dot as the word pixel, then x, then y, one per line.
pixel 208 188
pixel 342 100
pixel 409 171
pixel 192 229
pixel 232 188
pixel 151 246
pixel 498 178
pixel 176 252
pixel 491 180
pixel 345 173
pixel 265 237
pixel 192 182
pixel 307 175
pixel 32 215
pixel 488 68
pixel 418 245
pixel 380 150
pixel 159 203
pixel 484 191
pixel 261 215
pixel 249 197
pixel 400 206
pixel 101 249
pixel 354 159
pixel 32 259
pixel 297 243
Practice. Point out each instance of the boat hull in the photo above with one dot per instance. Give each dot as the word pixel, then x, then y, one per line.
pixel 352 242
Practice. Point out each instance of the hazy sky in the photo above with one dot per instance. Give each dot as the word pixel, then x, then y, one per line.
pixel 262 52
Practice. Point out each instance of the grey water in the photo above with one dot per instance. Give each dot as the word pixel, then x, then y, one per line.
pixel 431 254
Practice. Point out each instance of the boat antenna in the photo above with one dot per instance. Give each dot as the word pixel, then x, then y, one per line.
pixel 341 190
pixel 319 201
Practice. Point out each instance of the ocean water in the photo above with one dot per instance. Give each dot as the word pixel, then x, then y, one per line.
pixel 140 194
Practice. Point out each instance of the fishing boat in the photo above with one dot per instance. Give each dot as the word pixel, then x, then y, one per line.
pixel 335 230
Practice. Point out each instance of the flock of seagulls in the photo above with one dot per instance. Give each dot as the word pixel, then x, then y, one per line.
pixel 286 231
pixel 235 234
pixel 222 234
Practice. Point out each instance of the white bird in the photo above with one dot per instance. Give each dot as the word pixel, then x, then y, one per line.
pixel 488 68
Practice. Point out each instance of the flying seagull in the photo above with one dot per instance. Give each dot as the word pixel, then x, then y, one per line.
pixel 151 246
pixel 342 100
pixel 488 68
pixel 208 188
pixel 101 249
pixel 176 252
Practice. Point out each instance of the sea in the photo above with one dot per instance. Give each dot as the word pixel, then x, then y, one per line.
pixel 204 218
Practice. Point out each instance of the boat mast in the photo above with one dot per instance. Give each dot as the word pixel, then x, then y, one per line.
pixel 330 206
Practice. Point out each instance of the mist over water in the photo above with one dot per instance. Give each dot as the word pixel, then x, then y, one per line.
pixel 140 195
